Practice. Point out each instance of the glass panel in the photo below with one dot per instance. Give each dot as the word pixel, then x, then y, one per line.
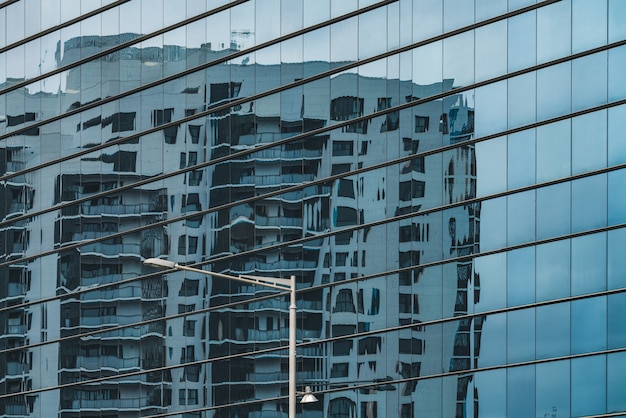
pixel 427 19
pixel 521 276
pixel 553 330
pixel 616 84
pixel 491 166
pixel 457 13
pixel 553 270
pixel 589 333
pixel 589 155
pixel 616 144
pixel 521 336
pixel 491 109
pixel 490 283
pixel 553 389
pixel 458 59
pixel 522 100
pixel 372 33
pixel 589 264
pixel 553 151
pixel 617 197
pixel 589 24
pixel 492 339
pixel 589 81
pixel 491 387
pixel 521 218
pixel 493 224
pixel 554 32
pixel 522 39
pixel 491 51
pixel 589 202
pixel 616 17
pixel 521 391
pixel 554 90
pixel 616 382
pixel 521 159
pixel 616 261
pixel 489 8
pixel 589 386
pixel 553 210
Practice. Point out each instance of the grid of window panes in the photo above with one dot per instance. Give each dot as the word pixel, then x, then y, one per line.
pixel 444 178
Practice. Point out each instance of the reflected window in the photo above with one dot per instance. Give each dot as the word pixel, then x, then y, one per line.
pixel 194 132
pixel 413 189
pixel 344 301
pixel 421 124
pixel 346 108
pixel 369 345
pixel 346 188
pixel 341 408
pixel 343 148
pixel 411 346
pixel 339 370
pixel 342 347
pixel 189 288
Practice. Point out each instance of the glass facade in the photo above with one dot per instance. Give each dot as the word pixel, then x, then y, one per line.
pixel 444 178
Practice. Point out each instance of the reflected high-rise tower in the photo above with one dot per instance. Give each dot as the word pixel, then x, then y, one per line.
pixel 443 178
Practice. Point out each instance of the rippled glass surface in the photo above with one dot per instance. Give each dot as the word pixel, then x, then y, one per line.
pixel 454 231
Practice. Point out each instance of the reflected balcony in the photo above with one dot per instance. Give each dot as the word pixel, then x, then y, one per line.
pixel 276 221
pixel 127 292
pixel 17 329
pixel 111 249
pixel 115 404
pixel 16 289
pixel 16 368
pixel 15 166
pixel 113 362
pixel 136 209
pixel 13 409
pixel 280 265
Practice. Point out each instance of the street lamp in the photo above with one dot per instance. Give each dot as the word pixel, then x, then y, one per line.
pixel 274 283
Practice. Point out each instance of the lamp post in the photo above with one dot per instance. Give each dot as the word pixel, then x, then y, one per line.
pixel 274 283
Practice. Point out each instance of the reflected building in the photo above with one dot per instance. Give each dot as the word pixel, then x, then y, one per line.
pixel 446 191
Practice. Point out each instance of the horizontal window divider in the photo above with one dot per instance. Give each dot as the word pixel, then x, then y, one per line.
pixel 281 348
pixel 62 25
pixel 117 48
pixel 7 3
pixel 194 69
pixel 135 324
pixel 288 140
pixel 303 81
pixel 464 258
pixel 295 188
pixel 343 387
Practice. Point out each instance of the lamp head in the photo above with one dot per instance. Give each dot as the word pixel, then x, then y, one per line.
pixel 307 396
pixel 160 263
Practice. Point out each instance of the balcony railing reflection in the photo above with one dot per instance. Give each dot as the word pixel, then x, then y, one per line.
pixel 277 221
pixel 17 329
pixel 105 279
pixel 279 265
pixel 134 403
pixel 110 249
pixel 136 209
pixel 13 166
pixel 123 293
pixel 95 363
pixel 15 368
pixel 16 289
pixel 272 180
pixel 17 410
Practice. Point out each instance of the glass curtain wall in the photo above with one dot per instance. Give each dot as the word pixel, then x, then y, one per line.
pixel 444 178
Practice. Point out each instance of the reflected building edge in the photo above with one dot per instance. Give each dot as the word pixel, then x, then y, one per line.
pixel 380 221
